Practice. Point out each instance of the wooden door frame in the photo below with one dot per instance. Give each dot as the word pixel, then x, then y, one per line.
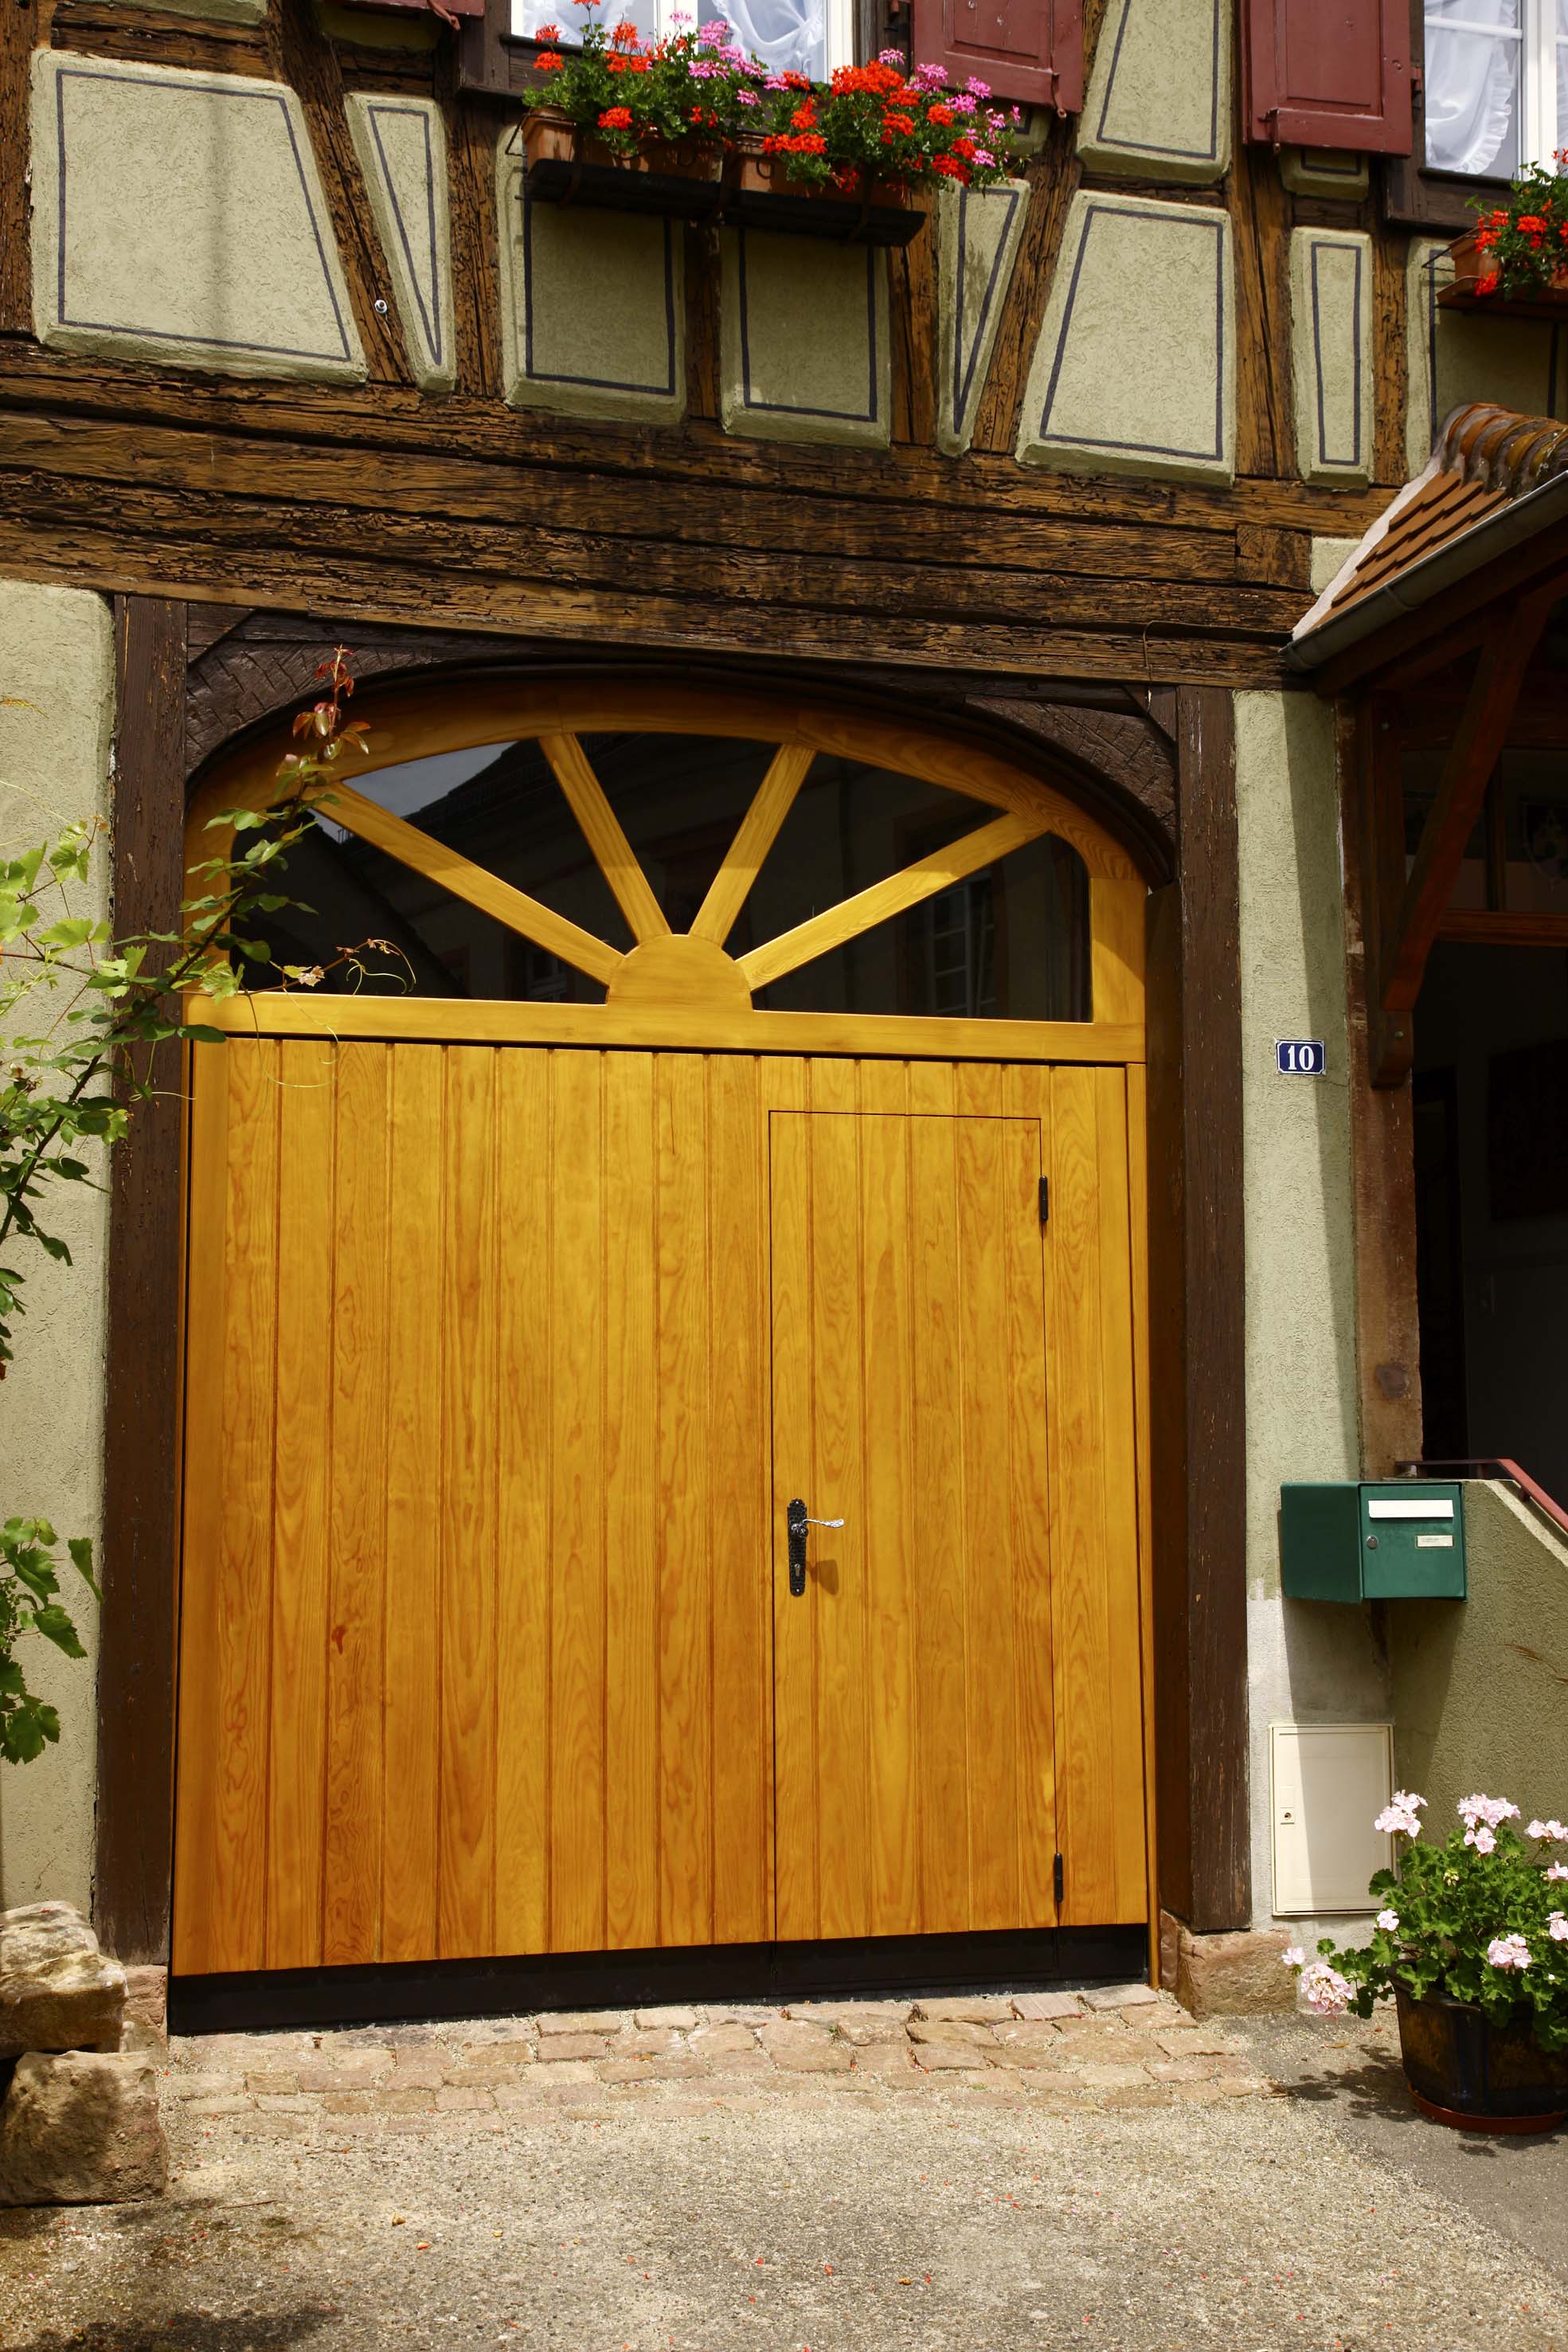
pixel 1194 1532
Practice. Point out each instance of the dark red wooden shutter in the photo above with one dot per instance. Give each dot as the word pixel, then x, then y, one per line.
pixel 1328 73
pixel 1028 50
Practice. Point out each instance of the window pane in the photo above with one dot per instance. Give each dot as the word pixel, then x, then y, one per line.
pixel 789 35
pixel 437 945
pixel 569 15
pixel 1474 56
pixel 1010 943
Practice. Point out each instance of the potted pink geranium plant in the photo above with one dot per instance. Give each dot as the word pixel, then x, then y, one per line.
pixel 1471 1945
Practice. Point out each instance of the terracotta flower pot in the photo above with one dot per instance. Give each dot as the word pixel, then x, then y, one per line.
pixel 1471 264
pixel 763 194
pixel 1476 2076
pixel 552 137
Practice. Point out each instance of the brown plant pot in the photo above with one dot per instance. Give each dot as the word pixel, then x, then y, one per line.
pixel 569 165
pixel 1476 2076
pixel 1471 264
pixel 765 195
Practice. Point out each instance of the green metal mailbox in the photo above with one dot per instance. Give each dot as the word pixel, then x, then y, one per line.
pixel 1396 1542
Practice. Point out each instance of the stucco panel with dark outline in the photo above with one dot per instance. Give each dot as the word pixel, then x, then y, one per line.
pixel 805 352
pixel 977 233
pixel 179 218
pixel 1158 102
pixel 402 146
pixel 592 307
pixel 1330 343
pixel 1135 372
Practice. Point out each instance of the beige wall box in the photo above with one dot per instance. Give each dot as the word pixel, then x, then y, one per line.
pixel 1327 1784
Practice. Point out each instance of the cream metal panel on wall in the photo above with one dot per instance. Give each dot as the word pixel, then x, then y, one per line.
pixel 179 218
pixel 1135 372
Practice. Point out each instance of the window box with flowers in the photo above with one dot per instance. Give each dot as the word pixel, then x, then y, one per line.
pixel 1471 1945
pixel 690 124
pixel 1515 259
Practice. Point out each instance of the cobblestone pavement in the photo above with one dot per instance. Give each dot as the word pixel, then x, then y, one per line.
pixel 854 2177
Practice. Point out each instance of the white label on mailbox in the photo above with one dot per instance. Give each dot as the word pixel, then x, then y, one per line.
pixel 1434 1543
pixel 1381 1508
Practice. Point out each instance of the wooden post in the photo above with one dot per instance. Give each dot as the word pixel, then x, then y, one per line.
pixel 1196 1325
pixel 136 1664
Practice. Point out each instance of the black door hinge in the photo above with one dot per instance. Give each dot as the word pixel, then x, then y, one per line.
pixel 1056 1880
pixel 1045 1200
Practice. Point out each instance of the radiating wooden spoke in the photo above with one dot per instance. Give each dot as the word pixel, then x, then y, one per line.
pixel 485 891
pixel 868 907
pixel 601 830
pixel 758 829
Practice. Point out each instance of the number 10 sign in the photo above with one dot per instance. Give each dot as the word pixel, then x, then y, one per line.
pixel 1300 1058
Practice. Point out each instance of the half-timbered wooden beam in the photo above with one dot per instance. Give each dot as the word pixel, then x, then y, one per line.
pixel 1505 655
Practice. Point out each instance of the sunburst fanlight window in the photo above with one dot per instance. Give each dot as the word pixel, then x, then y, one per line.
pixel 593 866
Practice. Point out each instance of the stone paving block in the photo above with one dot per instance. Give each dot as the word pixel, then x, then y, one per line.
pixel 461 2100
pixel 1132 1995
pixel 884 2059
pixel 555 2074
pixel 951 2029
pixel 284 2104
pixel 485 2070
pixel 865 2036
pixel 739 2063
pixel 1108 2078
pixel 1180 2070
pixel 805 2049
pixel 418 2070
pixel 965 2009
pixel 174 2085
pixel 1034 2008
pixel 714 2040
pixel 655 2042
pixel 1195 2095
pixel 1194 2041
pixel 845 2014
pixel 349 2103
pixel 522 2093
pixel 404 2099
pixel 347 2076
pixel 1240 2087
pixel 557 2046
pixel 1110 2048
pixel 273 2079
pixel 584 2021
pixel 932 2057
pixel 673 2021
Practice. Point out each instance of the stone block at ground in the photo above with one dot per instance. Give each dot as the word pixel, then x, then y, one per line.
pixel 82 2128
pixel 57 1991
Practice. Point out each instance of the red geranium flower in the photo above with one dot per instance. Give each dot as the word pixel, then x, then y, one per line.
pixel 941 115
pixel 547 33
pixel 552 62
pixel 615 117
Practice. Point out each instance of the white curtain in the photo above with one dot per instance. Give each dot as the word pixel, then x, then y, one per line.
pixel 789 35
pixel 527 16
pixel 1562 73
pixel 1474 53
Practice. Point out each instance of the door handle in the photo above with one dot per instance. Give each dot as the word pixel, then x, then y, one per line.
pixel 796 1522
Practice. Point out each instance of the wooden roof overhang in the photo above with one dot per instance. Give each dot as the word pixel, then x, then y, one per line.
pixel 1446 600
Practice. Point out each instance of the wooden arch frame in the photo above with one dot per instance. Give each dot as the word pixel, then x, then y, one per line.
pixel 699 997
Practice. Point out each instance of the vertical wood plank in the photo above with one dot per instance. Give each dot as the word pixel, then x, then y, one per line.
pixel 684 1489
pixel 206 1319
pixel 1117 925
pixel 633 1532
pixel 1026 1398
pixel 1078 1553
pixel 888 1547
pixel 794 1665
pixel 987 1202
pixel 525 1372
pixel 739 1443
pixel 356 1602
pixel 471 1302
pixel 1138 1221
pixel 1118 1480
pixel 303 1406
pixel 417 1212
pixel 941 1656
pixel 576 1515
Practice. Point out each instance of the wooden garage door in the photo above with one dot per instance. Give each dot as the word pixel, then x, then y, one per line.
pixel 485 1572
